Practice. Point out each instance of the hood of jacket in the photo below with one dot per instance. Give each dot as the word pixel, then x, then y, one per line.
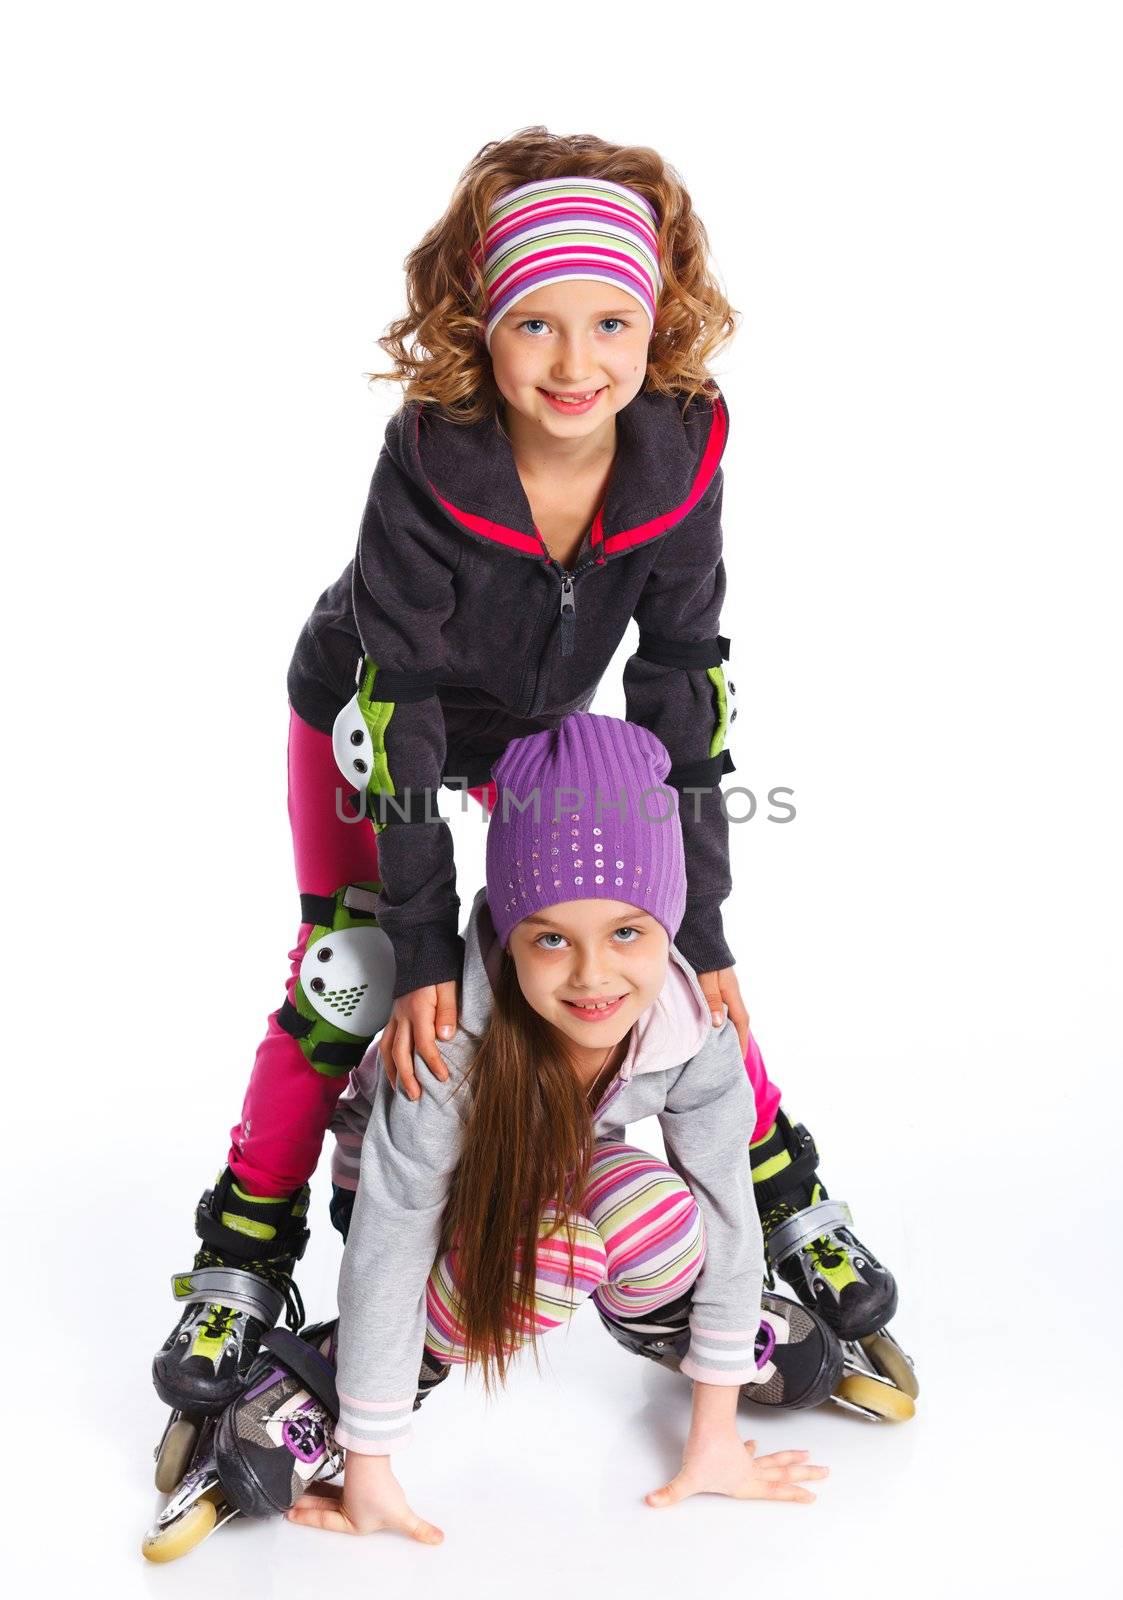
pixel 670 1032
pixel 665 461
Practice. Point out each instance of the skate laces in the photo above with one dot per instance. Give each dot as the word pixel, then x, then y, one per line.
pixel 772 1218
pixel 825 1251
pixel 275 1274
pixel 219 1318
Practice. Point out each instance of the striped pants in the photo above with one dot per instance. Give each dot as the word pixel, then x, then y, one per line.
pixel 638 1245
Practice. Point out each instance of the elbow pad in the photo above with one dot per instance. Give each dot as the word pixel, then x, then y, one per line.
pixel 710 656
pixel 358 737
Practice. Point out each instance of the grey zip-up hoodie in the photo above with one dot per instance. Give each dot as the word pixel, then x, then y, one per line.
pixel 401 1156
pixel 480 636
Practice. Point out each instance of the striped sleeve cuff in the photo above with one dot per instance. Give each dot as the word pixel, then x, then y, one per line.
pixel 725 1357
pixel 374 1427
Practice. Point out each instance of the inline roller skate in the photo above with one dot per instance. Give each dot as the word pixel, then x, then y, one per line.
pixel 239 1285
pixel 260 1455
pixel 269 1445
pixel 798 1359
pixel 810 1243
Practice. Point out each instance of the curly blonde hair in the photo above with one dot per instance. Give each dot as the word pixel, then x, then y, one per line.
pixel 438 348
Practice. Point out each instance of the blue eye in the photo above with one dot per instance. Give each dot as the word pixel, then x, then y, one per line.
pixel 540 322
pixel 635 932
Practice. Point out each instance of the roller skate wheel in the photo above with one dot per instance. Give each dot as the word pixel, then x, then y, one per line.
pixel 891 1361
pixel 168 1544
pixel 874 1394
pixel 174 1457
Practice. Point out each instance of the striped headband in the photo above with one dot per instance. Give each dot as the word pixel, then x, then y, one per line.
pixel 558 228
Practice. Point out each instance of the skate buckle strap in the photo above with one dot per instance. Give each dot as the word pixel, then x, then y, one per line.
pixel 230 1286
pixel 801 1169
pixel 810 1223
pixel 303 1359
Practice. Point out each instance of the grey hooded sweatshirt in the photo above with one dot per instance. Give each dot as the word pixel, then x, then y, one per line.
pixel 401 1155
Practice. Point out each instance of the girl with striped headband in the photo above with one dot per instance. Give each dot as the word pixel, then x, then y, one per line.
pixel 563 228
pixel 553 473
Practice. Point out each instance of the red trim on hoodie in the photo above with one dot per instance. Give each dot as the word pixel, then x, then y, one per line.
pixel 511 537
pixel 629 537
pixel 616 542
pixel 596 536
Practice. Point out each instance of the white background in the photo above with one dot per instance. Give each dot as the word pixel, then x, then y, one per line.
pixel 916 209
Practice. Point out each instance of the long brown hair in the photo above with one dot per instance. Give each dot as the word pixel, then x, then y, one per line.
pixel 527 1145
pixel 437 348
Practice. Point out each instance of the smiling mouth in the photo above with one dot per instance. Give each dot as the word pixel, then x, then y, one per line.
pixel 569 398
pixel 604 1003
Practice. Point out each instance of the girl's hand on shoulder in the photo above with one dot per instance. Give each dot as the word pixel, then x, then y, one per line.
pixel 416 1022
pixel 370 1501
pixel 727 1466
pixel 722 990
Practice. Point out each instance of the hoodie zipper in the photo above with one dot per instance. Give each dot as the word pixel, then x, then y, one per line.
pixel 567 619
pixel 568 615
pixel 568 609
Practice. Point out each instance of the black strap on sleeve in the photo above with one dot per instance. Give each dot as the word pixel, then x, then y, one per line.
pixel 404 687
pixel 701 774
pixel 682 653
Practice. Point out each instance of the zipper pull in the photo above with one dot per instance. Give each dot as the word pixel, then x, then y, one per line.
pixel 568 616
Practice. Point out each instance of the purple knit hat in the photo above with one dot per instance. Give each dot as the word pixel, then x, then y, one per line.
pixel 583 812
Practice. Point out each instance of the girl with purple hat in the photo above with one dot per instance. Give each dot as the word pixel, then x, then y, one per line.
pixel 487 1211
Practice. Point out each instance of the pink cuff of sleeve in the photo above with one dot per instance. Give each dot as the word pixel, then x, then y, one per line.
pixel 367 1447
pixel 721 1375
pixel 373 1427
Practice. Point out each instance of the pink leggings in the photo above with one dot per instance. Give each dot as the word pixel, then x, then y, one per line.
pixel 288 1104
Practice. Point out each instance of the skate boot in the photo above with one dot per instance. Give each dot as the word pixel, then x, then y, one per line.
pixel 240 1284
pixel 810 1242
pixel 269 1445
pixel 278 1436
pixel 260 1455
pixel 798 1358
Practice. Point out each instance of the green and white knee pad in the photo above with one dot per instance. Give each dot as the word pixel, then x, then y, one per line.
pixel 359 744
pixel 725 704
pixel 345 990
pixel 358 737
